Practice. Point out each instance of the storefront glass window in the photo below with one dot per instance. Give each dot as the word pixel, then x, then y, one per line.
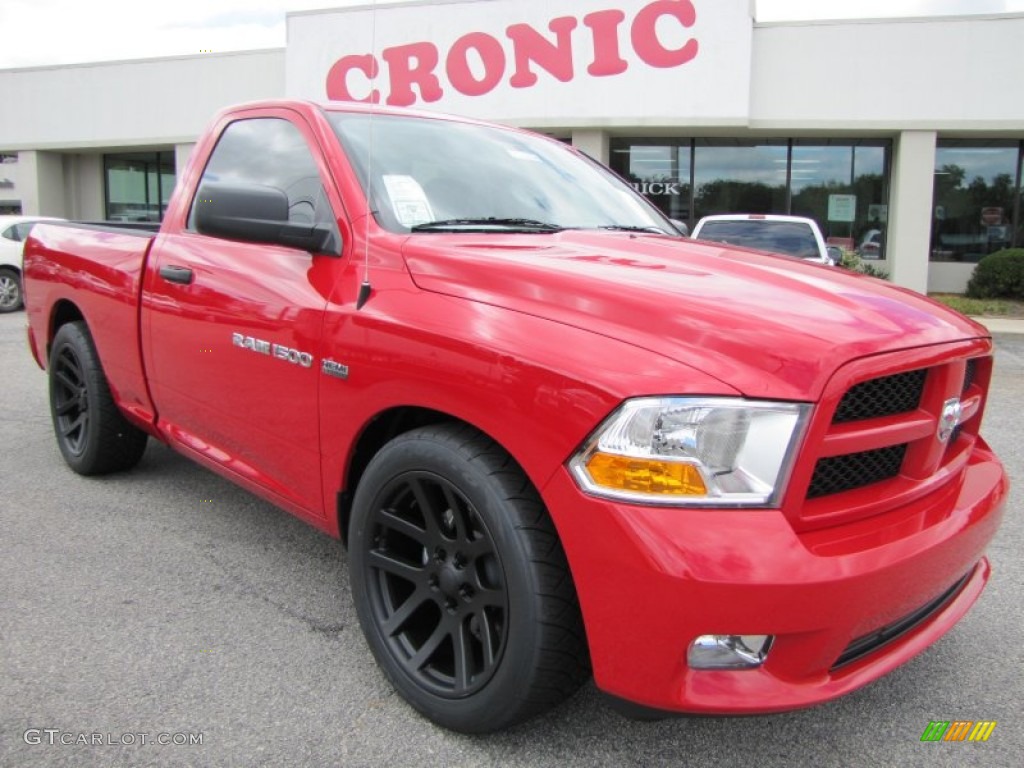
pixel 842 185
pixel 737 176
pixel 7 206
pixel 1018 239
pixel 975 193
pixel 138 185
pixel 659 170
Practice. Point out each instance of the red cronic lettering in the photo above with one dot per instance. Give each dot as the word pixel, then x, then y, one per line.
pixel 337 78
pixel 645 34
pixel 404 74
pixel 530 45
pixel 605 28
pixel 477 62
pixel 461 75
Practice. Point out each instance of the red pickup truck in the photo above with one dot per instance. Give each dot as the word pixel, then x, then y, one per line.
pixel 555 436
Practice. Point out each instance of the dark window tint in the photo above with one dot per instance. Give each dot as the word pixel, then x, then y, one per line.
pixel 789 238
pixel 271 152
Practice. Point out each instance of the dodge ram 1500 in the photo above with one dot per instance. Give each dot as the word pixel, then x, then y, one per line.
pixel 555 436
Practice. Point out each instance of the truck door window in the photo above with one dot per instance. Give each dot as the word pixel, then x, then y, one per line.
pixel 272 152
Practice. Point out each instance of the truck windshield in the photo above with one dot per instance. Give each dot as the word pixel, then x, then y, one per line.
pixel 790 238
pixel 443 176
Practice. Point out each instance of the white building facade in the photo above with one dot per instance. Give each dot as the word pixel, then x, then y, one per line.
pixel 903 138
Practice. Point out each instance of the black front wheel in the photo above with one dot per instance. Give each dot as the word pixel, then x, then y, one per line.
pixel 461 583
pixel 92 434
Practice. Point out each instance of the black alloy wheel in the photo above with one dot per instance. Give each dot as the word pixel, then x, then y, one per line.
pixel 93 435
pixel 70 400
pixel 436 585
pixel 461 585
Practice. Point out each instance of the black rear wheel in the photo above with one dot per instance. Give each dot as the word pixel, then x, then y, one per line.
pixel 461 584
pixel 92 434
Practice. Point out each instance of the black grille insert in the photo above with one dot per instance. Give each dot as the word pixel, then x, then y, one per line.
pixel 885 396
pixel 969 374
pixel 862 646
pixel 835 474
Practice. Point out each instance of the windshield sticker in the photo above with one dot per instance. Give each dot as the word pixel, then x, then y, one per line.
pixel 408 199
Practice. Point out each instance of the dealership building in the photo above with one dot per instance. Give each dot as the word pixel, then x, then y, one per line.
pixel 903 138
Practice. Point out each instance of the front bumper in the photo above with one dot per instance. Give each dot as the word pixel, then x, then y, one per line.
pixel 650 580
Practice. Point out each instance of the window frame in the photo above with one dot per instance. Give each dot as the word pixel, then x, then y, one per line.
pixel 324 203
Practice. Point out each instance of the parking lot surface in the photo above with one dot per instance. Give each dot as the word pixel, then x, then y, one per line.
pixel 167 604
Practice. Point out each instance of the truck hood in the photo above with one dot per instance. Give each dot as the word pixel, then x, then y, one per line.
pixel 767 326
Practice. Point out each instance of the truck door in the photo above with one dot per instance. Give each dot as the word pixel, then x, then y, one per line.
pixel 232 328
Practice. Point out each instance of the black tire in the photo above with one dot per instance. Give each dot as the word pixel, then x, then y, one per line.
pixel 92 434
pixel 11 298
pixel 461 584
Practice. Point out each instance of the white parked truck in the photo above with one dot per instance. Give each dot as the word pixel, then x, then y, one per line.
pixel 793 236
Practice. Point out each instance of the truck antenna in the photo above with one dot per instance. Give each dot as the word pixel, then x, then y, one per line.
pixel 366 288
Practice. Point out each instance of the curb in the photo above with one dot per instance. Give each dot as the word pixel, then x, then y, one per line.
pixel 1002 325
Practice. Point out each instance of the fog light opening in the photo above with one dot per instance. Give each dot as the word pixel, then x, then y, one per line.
pixel 729 651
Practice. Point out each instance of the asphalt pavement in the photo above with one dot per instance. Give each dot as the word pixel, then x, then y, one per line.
pixel 166 604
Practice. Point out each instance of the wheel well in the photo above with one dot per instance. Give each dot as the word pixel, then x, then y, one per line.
pixel 63 312
pixel 385 427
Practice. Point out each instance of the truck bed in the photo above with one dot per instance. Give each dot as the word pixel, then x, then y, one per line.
pixel 98 268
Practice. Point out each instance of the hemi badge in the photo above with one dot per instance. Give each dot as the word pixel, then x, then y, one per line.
pixel 337 370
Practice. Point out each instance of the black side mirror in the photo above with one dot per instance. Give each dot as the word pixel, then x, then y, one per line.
pixel 255 213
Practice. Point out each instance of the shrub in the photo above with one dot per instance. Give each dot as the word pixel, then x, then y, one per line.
pixel 872 271
pixel 855 263
pixel 999 275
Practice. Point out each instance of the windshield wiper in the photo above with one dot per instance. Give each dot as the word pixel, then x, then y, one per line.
pixel 652 230
pixel 490 224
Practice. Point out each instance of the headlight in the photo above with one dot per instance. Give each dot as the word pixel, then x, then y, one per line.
pixel 722 452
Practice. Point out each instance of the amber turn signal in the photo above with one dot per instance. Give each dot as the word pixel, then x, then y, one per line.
pixel 649 476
